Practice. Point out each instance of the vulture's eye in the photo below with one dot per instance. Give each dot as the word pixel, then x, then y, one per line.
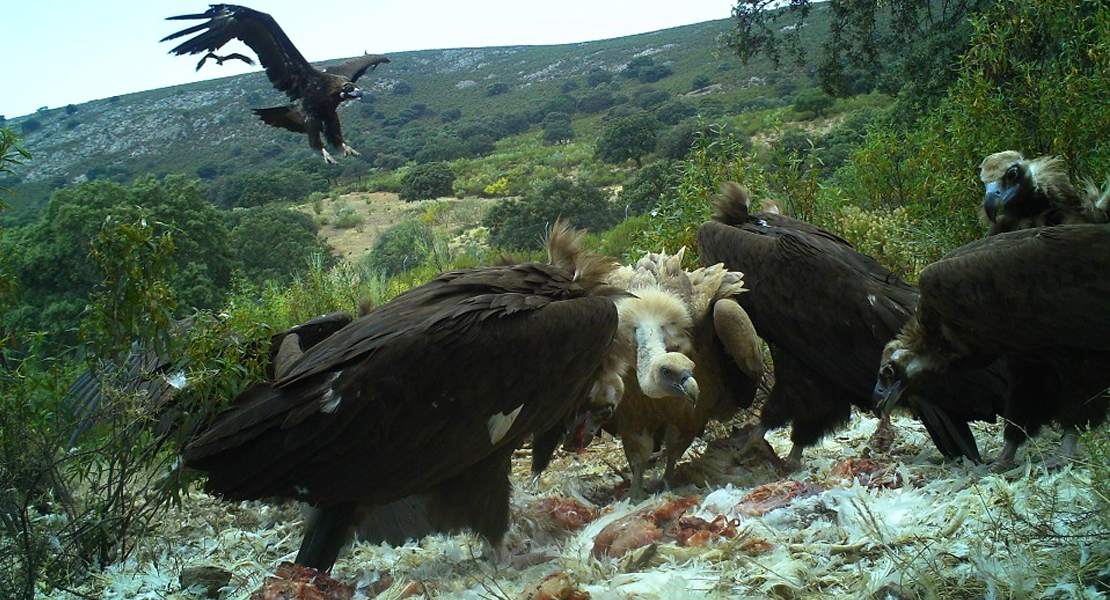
pixel 886 373
pixel 666 372
pixel 1012 174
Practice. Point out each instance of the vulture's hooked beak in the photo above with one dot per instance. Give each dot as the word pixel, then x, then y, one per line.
pixel 886 394
pixel 996 197
pixel 584 427
pixel 354 94
pixel 688 387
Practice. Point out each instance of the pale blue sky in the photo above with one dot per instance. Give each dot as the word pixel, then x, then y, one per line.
pixel 59 52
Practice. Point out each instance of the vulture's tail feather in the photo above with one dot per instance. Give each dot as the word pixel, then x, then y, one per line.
pixel 953 438
pixel 326 535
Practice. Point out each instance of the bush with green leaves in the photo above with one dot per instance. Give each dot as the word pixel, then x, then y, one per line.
pixel 648 186
pixel 627 138
pixel 51 256
pixel 521 223
pixel 428 181
pixel 404 246
pixel 274 243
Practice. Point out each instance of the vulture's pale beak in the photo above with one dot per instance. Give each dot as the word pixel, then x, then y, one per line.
pixel 354 94
pixel 688 386
pixel 886 395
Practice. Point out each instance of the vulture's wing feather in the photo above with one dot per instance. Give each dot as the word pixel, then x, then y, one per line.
pixel 286 67
pixel 805 295
pixel 412 394
pixel 738 336
pixel 357 67
pixel 1034 288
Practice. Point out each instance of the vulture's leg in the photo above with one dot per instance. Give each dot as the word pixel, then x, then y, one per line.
pixel 327 157
pixel 326 536
pixel 676 443
pixel 1066 451
pixel 637 449
pixel 349 151
pixel 794 459
pixel 1005 459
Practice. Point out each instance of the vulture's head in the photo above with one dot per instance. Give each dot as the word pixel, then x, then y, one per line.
pixel 671 374
pixel 1022 193
pixel 349 91
pixel 906 363
pixel 657 325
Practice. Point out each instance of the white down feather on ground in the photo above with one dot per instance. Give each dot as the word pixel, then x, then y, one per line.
pixel 919 529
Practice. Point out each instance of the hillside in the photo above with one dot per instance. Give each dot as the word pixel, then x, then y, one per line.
pixel 206 129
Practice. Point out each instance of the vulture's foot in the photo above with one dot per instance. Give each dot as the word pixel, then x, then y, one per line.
pixel 1005 460
pixel 349 151
pixel 327 157
pixel 1065 454
pixel 793 460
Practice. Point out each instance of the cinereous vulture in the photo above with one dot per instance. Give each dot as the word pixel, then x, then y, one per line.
pixel 428 394
pixel 1021 193
pixel 687 322
pixel 826 311
pixel 315 94
pixel 1035 298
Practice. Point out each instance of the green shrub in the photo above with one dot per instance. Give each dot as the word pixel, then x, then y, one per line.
pixel 346 217
pixel 404 246
pixel 427 181
pixel 520 223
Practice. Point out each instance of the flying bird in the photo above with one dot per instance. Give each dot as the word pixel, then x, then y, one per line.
pixel 826 311
pixel 427 395
pixel 1022 193
pixel 687 323
pixel 1035 298
pixel 220 59
pixel 315 94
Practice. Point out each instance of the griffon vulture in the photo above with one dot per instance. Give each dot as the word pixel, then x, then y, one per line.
pixel 689 321
pixel 315 94
pixel 1024 193
pixel 427 394
pixel 1035 298
pixel 826 311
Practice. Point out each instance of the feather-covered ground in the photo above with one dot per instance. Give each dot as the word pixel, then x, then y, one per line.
pixel 852 523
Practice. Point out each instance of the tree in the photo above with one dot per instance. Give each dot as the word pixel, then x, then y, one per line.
pixel 274 244
pixel 928 38
pixel 521 223
pixel 627 138
pixel 51 257
pixel 645 189
pixel 557 128
pixel 427 181
pixel 813 101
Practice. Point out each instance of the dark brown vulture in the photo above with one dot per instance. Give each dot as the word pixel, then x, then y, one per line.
pixel 316 95
pixel 220 59
pixel 826 311
pixel 1035 298
pixel 688 323
pixel 1024 193
pixel 428 394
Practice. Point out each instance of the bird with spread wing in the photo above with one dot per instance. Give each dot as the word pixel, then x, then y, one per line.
pixel 315 94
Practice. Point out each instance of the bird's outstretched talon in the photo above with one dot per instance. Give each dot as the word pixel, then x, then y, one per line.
pixel 349 151
pixel 327 157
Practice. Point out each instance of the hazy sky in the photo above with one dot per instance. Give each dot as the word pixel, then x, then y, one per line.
pixel 59 52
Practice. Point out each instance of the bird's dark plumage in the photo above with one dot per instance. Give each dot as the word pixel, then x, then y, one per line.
pixel 427 394
pixel 315 94
pixel 1035 298
pixel 826 311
